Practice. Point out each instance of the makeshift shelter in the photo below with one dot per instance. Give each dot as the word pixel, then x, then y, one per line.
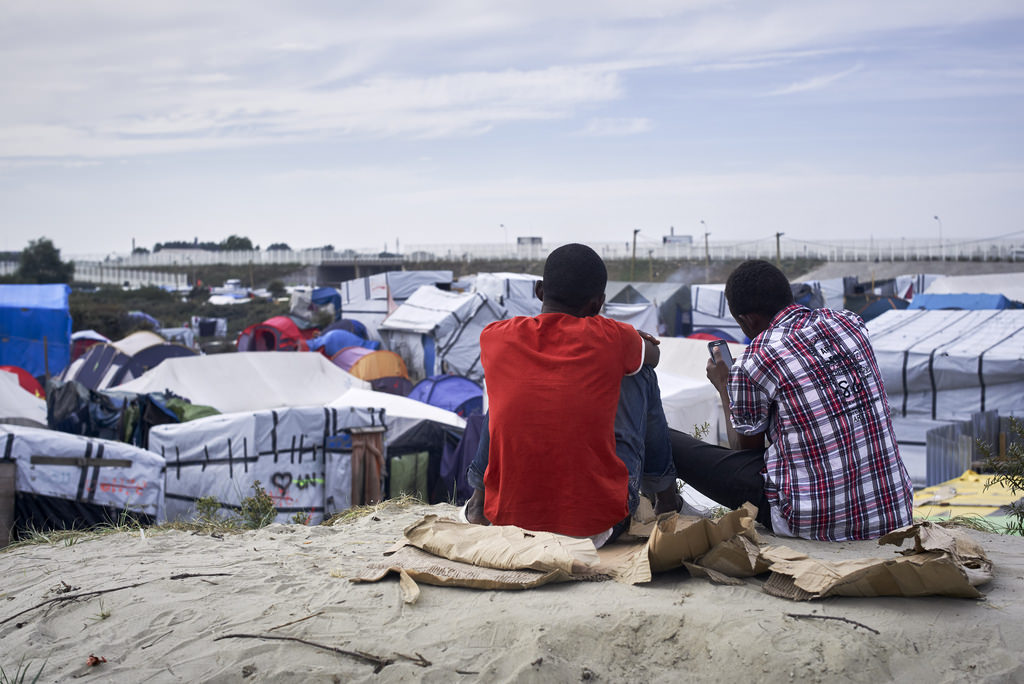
pixel 351 325
pixel 248 382
pixel 83 339
pixel 18 406
pixel 971 302
pixel 67 481
pixel 1010 285
pixel 671 302
pixel 869 307
pixel 108 365
pixel 370 299
pixel 312 461
pixel 26 381
pixel 333 341
pixel 515 292
pixel 35 328
pixel 451 392
pixel 370 364
pixel 946 365
pixel 280 333
pixel 711 310
pixel 439 332
pixel 207 326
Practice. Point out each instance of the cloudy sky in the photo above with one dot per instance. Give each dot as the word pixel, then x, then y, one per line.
pixel 359 123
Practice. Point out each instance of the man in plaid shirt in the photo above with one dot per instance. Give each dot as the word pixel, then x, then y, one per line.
pixel 808 382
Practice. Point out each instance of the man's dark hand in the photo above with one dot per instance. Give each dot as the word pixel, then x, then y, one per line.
pixel 717 371
pixel 649 337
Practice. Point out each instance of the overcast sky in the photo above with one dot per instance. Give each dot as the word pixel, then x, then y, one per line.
pixel 359 123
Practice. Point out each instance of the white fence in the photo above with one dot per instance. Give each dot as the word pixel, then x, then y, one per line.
pixel 105 274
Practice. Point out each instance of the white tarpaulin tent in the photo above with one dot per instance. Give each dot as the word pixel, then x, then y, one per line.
pixel 401 413
pixel 301 456
pixel 642 316
pixel 439 332
pixel 686 393
pixel 68 480
pixel 1010 285
pixel 512 291
pixel 250 381
pixel 366 299
pixel 711 310
pixel 17 404
pixel 950 364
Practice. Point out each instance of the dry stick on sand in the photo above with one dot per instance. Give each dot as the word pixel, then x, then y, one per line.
pixel 87 594
pixel 378 662
pixel 830 617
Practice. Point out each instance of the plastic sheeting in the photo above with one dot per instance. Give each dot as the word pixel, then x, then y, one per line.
pixel 947 365
pixel 687 395
pixel 366 299
pixel 513 291
pixel 19 405
pixel 35 327
pixel 88 473
pixel 439 332
pixel 302 457
pixel 400 413
pixel 249 382
pixel 1010 285
pixel 642 316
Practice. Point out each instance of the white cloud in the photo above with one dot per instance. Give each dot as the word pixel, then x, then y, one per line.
pixel 817 82
pixel 621 126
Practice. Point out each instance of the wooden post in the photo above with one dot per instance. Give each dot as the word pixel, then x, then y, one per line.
pixel 8 470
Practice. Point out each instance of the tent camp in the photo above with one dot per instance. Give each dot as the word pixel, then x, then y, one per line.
pixel 671 302
pixel 367 299
pixel 280 333
pixel 81 340
pixel 450 392
pixel 248 382
pixel 369 364
pixel 710 310
pixel 439 332
pixel 35 328
pixel 971 302
pixel 331 342
pixel 946 365
pixel 312 461
pixel 66 481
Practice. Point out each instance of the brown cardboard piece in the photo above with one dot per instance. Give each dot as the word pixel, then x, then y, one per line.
pixel 943 562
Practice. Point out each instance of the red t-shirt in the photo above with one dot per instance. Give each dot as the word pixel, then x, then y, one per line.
pixel 553 388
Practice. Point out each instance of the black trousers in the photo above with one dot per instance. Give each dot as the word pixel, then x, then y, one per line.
pixel 727 476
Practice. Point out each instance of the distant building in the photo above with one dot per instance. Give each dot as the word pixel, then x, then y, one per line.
pixel 673 239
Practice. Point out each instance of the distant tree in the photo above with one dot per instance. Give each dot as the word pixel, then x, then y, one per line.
pixel 279 247
pixel 140 250
pixel 40 263
pixel 236 243
pixel 277 289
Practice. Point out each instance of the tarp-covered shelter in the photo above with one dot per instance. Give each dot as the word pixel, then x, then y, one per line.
pixel 312 461
pixel 280 333
pixel 81 340
pixel 370 298
pixel 67 481
pixel 450 392
pixel 1010 285
pixel 515 292
pixel 439 332
pixel 949 364
pixel 369 364
pixel 670 299
pixel 19 406
pixel 351 325
pixel 248 382
pixel 333 341
pixel 972 302
pixel 35 328
pixel 108 365
pixel 26 380
pixel 710 309
pixel 869 307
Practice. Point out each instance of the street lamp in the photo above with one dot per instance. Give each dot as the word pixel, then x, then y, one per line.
pixel 632 263
pixel 942 250
pixel 707 253
pixel 778 249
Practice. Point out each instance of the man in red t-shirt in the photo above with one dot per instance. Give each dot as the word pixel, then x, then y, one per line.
pixel 575 417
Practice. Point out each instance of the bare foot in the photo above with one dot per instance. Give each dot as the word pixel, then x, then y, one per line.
pixel 475 508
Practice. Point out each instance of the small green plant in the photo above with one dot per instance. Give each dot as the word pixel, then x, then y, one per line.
pixel 258 510
pixel 301 518
pixel 1008 471
pixel 21 674
pixel 701 431
pixel 207 509
pixel 103 614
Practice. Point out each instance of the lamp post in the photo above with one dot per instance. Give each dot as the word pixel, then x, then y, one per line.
pixel 632 262
pixel 778 249
pixel 707 253
pixel 942 249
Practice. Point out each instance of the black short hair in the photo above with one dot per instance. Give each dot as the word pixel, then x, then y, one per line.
pixel 573 274
pixel 757 286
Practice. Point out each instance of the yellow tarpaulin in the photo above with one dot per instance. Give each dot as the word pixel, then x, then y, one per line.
pixel 965 495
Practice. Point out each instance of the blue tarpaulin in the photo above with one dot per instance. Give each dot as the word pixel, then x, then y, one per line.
pixel 966 302
pixel 29 316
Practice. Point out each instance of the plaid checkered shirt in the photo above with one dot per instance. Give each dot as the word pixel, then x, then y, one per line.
pixel 832 469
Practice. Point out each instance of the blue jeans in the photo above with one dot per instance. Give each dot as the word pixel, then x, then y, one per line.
pixel 641 439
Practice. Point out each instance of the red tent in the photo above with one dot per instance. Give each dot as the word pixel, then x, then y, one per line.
pixel 27 382
pixel 279 333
